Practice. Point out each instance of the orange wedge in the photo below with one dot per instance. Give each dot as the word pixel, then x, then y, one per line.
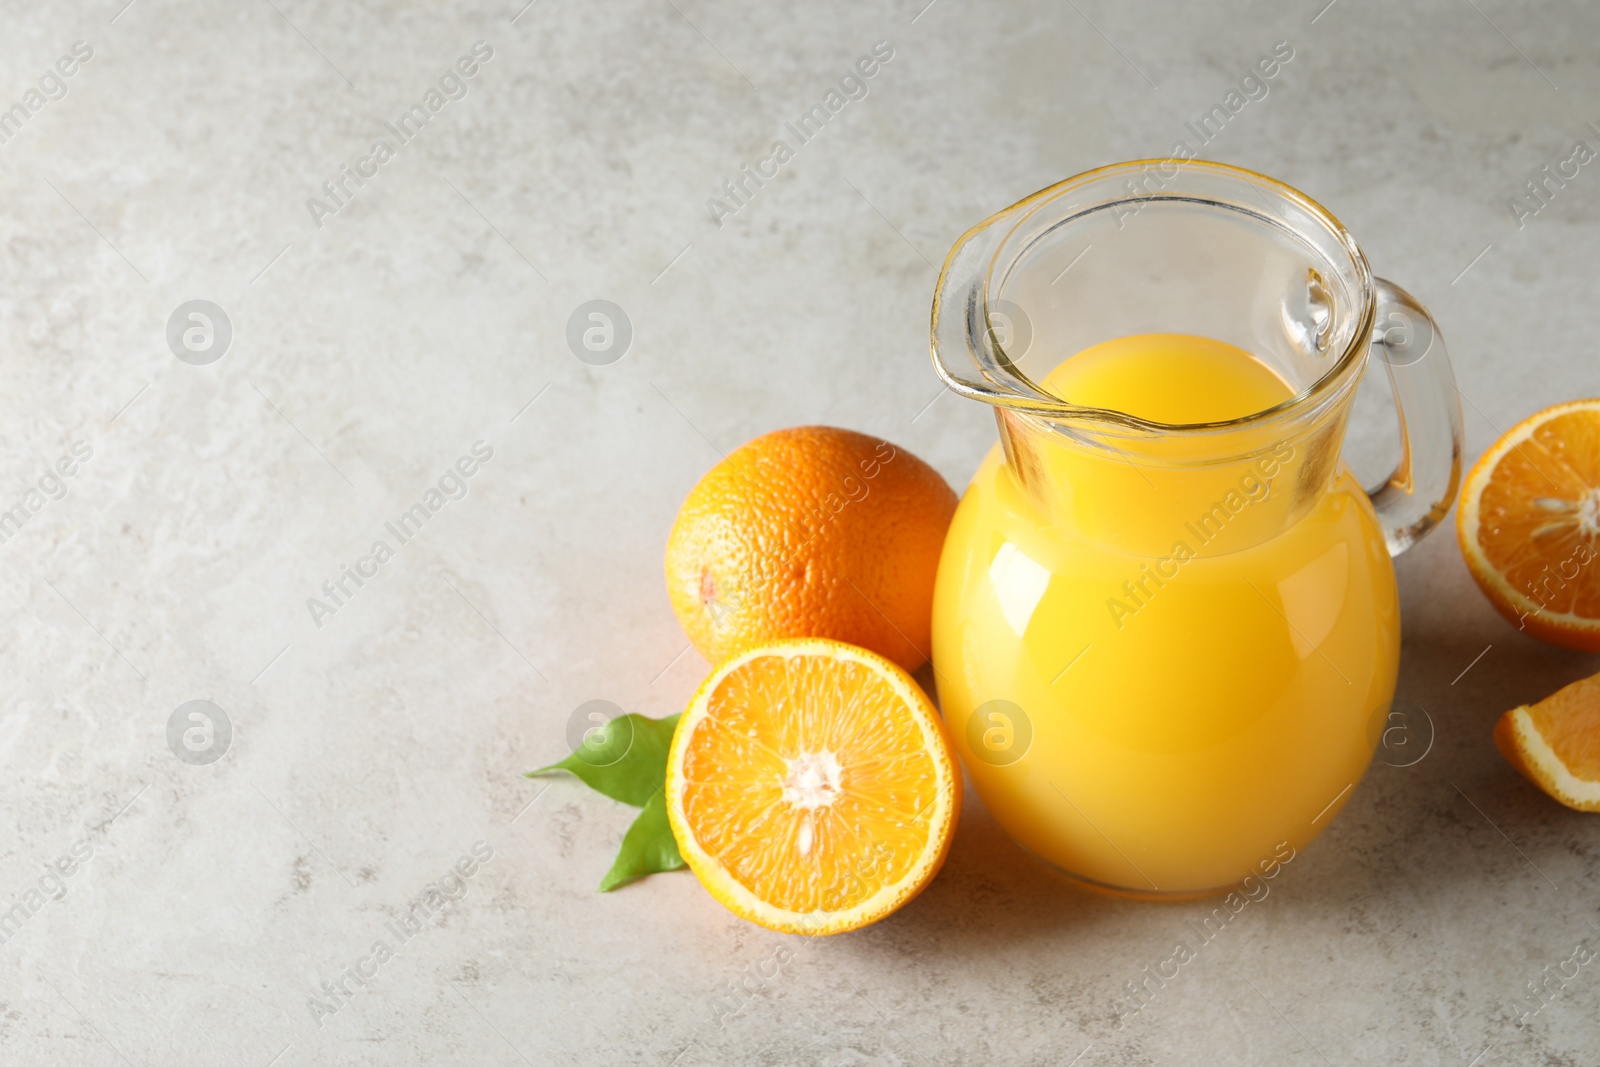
pixel 1529 524
pixel 1556 743
pixel 811 788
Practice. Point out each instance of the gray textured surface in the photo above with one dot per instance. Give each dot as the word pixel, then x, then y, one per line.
pixel 374 751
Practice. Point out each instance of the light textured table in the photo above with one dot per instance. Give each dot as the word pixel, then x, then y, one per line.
pixel 376 339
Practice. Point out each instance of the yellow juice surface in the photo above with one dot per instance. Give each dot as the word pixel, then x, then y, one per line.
pixel 1164 723
pixel 1169 377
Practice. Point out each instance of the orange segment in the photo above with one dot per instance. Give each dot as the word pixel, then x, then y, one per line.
pixel 1556 743
pixel 1529 524
pixel 810 786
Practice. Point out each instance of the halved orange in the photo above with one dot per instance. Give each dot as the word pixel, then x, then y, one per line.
pixel 1556 743
pixel 1529 524
pixel 810 786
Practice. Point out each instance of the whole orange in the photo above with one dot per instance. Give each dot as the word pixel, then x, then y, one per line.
pixel 811 532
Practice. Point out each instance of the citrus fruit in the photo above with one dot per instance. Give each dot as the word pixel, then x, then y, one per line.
pixel 1529 524
pixel 810 786
pixel 811 532
pixel 1556 743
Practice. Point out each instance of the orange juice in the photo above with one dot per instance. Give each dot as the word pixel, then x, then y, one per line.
pixel 1150 677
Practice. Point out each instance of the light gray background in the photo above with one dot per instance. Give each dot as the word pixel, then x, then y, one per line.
pixel 369 754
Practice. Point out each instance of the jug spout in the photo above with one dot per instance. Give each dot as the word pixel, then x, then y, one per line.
pixel 967 352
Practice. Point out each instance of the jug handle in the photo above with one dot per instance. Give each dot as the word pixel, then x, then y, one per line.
pixel 1420 491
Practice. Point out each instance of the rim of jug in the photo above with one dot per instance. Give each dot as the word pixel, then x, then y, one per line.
pixel 970 274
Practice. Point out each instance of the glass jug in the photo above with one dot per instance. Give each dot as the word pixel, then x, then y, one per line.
pixel 1166 651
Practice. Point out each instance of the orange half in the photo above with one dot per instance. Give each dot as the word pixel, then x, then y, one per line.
pixel 1529 524
pixel 1556 743
pixel 811 788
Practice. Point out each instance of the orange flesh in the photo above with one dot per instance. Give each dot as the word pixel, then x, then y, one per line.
pixel 1569 721
pixel 803 766
pixel 1538 513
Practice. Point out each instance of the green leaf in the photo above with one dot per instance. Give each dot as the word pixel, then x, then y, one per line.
pixel 626 759
pixel 647 848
